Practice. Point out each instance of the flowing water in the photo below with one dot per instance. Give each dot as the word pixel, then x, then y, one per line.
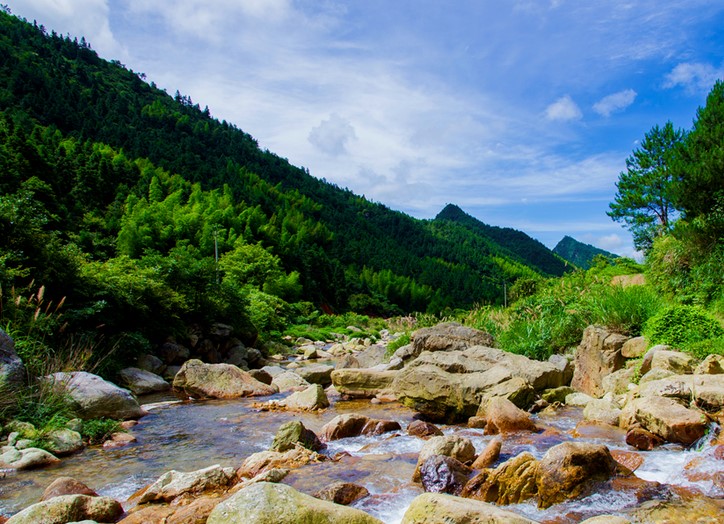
pixel 187 436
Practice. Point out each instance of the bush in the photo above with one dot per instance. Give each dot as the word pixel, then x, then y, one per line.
pixel 95 431
pixel 621 309
pixel 684 327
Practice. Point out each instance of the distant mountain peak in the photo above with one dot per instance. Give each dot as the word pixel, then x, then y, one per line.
pixel 578 253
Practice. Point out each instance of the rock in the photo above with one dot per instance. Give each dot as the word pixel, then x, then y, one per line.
pixel 316 374
pixel 119 440
pixel 436 508
pixel 12 371
pixel 313 398
pixel 477 422
pixel 459 448
pixel 503 416
pixel 489 455
pixel 372 356
pixel 170 372
pixel 618 382
pixel 176 483
pixel 262 376
pixel 142 382
pixel 670 420
pixel 516 389
pixel 343 426
pixel 655 374
pixel 570 469
pixel 422 429
pixel 94 397
pixel 674 361
pixel 699 510
pixel 345 361
pixel 579 400
pixel 62 442
pixel 267 503
pixel 28 458
pixel 273 370
pixel 512 482
pixel 309 352
pixel 606 519
pixel 642 439
pixel 711 365
pixel 441 474
pixel 289 381
pixel 265 461
pixel 66 486
pixel 706 391
pixel 598 354
pixel 294 433
pixel 603 411
pixel 218 381
pixel 634 347
pixel 449 336
pixel 628 459
pixel 69 508
pixel 344 493
pixel 565 365
pixel 150 363
pixel 375 427
pixel 173 353
pixel 362 383
pixel 557 394
pixel 649 355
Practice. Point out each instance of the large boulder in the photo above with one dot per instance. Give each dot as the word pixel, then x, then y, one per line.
pixel 268 503
pixel 316 374
pixel 434 508
pixel 603 411
pixel 94 397
pixel 570 470
pixel 512 482
pixel 362 383
pixel 674 361
pixel 598 354
pixel 343 426
pixel 12 371
pixel 142 382
pixel 503 416
pixel 449 336
pixel 218 381
pixel 705 391
pixel 28 458
pixel 66 486
pixel 669 420
pixel 173 483
pixel 69 508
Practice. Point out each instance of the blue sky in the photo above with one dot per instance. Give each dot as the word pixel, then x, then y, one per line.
pixel 522 112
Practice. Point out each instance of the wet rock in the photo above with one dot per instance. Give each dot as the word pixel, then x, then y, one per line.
pixel 66 486
pixel 634 347
pixel 674 361
pixel 598 354
pixel 607 519
pixel 119 440
pixel 142 382
pixel 602 411
pixel 265 461
pixel 422 429
pixel 449 336
pixel 173 484
pixel 289 381
pixel 343 426
pixel 267 503
pixel 313 398
pixel 344 493
pixel 570 469
pixel 489 455
pixel 435 508
pixel 557 394
pixel 628 459
pixel 670 420
pixel 642 439
pixel 61 442
pixel 512 482
pixel 711 365
pixel 12 371
pixel 477 422
pixel 316 374
pixel 457 447
pixel 504 417
pixel 362 383
pixel 378 427
pixel 94 397
pixel 700 509
pixel 294 433
pixel 218 381
pixel 28 458
pixel 69 508
pixel 441 474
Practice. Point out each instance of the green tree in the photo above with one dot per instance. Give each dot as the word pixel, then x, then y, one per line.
pixel 645 197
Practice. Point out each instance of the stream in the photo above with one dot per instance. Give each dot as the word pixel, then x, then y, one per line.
pixel 187 436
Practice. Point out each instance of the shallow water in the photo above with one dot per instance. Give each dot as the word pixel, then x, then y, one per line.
pixel 187 436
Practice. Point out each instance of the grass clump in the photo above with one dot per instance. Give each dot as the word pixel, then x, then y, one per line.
pixel 688 328
pixel 96 431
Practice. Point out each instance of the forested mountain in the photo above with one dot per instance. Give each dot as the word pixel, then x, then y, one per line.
pixel 578 253
pixel 132 203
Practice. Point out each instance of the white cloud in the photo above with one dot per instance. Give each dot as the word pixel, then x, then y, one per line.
pixel 694 76
pixel 615 102
pixel 610 242
pixel 563 109
pixel 332 135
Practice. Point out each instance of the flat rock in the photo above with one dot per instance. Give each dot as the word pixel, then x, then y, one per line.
pixel 173 484
pixel 289 381
pixel 436 508
pixel 142 382
pixel 218 381
pixel 670 420
pixel 362 383
pixel 316 374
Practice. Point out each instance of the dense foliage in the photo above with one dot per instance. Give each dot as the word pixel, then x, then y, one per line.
pixel 579 254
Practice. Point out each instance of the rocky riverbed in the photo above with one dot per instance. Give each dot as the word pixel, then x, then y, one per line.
pixel 510 435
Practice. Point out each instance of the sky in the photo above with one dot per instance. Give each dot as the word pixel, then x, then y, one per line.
pixel 521 112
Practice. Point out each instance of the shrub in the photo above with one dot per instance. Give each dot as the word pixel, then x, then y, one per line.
pixel 683 326
pixel 621 309
pixel 95 431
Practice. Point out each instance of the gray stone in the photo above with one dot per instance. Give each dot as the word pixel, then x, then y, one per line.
pixel 142 382
pixel 175 483
pixel 437 508
pixel 28 458
pixel 12 371
pixel 69 508
pixel 150 363
pixel 289 381
pixel 316 374
pixel 218 381
pixel 310 399
pixel 64 442
pixel 598 354
pixel 449 336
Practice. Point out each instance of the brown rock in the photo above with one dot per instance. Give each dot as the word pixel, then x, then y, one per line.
pixel 69 508
pixel 505 417
pixel 569 470
pixel 642 439
pixel 343 426
pixel 628 459
pixel 268 460
pixel 218 381
pixel 118 440
pixel 459 448
pixel 378 427
pixel 422 429
pixel 634 347
pixel 489 455
pixel 66 486
pixel 598 354
pixel 449 336
pixel 477 422
pixel 441 474
pixel 670 420
pixel 344 493
pixel 512 482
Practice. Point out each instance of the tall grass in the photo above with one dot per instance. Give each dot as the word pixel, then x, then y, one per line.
pixel 621 309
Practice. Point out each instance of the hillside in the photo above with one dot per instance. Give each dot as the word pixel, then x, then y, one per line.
pixel 125 200
pixel 578 253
